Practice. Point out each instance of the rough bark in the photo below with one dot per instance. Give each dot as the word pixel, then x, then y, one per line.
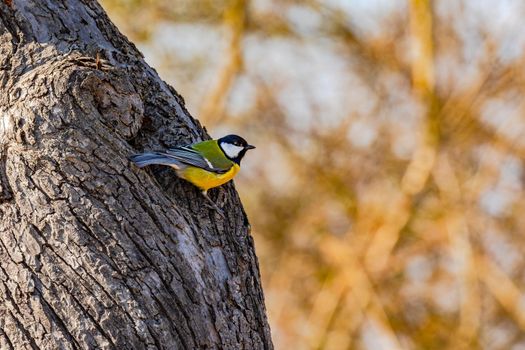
pixel 94 252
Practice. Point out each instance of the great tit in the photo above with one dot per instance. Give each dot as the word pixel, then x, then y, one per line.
pixel 205 164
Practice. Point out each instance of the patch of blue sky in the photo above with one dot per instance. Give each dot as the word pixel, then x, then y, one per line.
pixel 189 55
pixel 304 20
pixel 368 17
pixel 315 84
pixel 498 199
pixel 505 115
pixel 475 21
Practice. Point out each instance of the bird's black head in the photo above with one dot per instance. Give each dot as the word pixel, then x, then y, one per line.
pixel 234 147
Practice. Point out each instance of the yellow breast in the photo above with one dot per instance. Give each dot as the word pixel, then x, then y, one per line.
pixel 205 179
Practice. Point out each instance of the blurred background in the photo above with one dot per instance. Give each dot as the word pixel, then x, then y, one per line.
pixel 386 191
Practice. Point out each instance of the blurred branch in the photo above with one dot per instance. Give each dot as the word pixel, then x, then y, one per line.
pixel 461 113
pixel 423 159
pixel 422 162
pixel 329 302
pixel 461 251
pixel 422 46
pixel 212 109
pixel 378 253
pixel 380 55
pixel 344 255
pixel 502 288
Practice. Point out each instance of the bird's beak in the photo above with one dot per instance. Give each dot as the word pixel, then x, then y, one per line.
pixel 249 147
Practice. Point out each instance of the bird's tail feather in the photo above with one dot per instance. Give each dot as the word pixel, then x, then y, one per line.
pixel 144 159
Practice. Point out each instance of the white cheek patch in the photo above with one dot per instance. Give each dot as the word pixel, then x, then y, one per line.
pixel 231 151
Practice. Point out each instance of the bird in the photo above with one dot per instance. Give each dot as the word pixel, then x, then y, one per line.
pixel 205 164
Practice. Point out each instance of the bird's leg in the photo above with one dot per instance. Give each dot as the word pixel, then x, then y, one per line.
pixel 213 205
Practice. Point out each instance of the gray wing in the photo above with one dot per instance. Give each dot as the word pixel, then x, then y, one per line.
pixel 149 158
pixel 191 157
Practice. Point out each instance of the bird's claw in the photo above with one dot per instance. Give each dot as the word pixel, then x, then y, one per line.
pixel 212 205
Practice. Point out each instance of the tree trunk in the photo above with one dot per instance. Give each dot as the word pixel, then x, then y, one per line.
pixel 94 252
